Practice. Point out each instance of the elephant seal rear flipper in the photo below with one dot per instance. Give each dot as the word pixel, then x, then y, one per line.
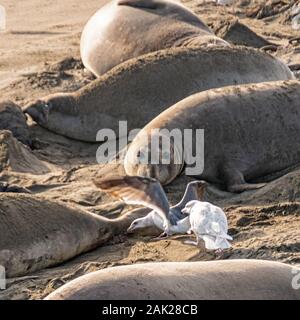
pixel 235 181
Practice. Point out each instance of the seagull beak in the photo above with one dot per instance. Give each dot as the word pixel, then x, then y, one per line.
pixel 184 211
pixel 130 229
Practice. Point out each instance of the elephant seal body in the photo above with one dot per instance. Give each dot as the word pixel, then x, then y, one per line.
pixel 211 280
pixel 36 233
pixel 249 131
pixel 140 89
pixel 125 29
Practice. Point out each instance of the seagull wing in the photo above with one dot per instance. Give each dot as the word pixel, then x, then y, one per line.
pixel 216 223
pixel 194 191
pixel 137 190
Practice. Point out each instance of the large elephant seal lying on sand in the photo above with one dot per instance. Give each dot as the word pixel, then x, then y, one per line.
pixel 249 131
pixel 213 280
pixel 125 29
pixel 138 90
pixel 36 233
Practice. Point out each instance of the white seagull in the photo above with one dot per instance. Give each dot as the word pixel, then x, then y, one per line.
pixel 149 193
pixel 208 223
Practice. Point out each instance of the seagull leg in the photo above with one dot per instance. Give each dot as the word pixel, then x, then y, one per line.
pixel 193 243
pixel 162 236
pixel 196 243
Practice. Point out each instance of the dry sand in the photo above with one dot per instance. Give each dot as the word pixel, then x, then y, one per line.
pixel 39 54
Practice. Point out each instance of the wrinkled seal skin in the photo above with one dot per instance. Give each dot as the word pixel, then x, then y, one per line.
pixel 210 280
pixel 125 29
pixel 36 233
pixel 140 89
pixel 249 131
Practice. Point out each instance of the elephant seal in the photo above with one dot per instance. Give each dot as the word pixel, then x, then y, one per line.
pixel 209 280
pixel 138 90
pixel 36 233
pixel 249 131
pixel 125 29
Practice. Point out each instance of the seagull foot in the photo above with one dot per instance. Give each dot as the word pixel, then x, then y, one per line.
pixel 219 253
pixel 193 243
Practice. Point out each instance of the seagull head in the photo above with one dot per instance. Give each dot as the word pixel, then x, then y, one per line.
pixel 189 206
pixel 138 224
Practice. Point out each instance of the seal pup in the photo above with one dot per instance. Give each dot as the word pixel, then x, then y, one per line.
pixel 149 193
pixel 138 90
pixel 249 131
pixel 209 223
pixel 36 233
pixel 125 29
pixel 205 280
